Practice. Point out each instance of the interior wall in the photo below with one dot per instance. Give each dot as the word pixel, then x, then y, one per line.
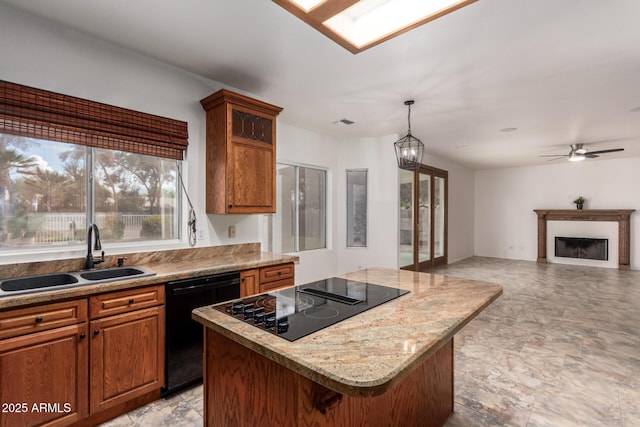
pixel 51 57
pixel 56 58
pixel 505 224
pixel 377 156
pixel 302 147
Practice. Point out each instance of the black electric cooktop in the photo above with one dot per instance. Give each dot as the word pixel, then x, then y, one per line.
pixel 295 312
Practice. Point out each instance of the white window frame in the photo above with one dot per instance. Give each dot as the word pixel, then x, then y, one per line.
pixel 269 223
pixel 45 252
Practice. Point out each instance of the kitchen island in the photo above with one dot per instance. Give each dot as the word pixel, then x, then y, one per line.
pixel 390 365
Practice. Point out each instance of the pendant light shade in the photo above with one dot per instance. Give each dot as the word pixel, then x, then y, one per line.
pixel 409 148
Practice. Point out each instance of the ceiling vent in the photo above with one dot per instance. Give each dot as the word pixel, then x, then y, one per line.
pixel 343 122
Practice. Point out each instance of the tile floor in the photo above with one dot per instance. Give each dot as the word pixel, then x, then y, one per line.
pixel 561 347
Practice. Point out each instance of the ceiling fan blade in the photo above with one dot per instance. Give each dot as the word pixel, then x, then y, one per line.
pixel 612 150
pixel 555 155
pixel 591 156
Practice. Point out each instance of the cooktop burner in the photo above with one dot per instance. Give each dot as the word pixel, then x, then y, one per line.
pixel 295 312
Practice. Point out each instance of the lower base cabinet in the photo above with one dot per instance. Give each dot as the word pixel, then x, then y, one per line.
pixel 81 362
pixel 249 282
pixel 265 279
pixel 125 361
pixel 44 378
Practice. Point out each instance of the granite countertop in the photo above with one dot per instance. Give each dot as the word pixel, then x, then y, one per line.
pixel 367 354
pixel 167 266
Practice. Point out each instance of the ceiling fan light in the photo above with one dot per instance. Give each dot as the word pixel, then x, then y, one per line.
pixel 576 157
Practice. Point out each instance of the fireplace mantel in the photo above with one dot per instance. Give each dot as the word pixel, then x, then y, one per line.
pixel 621 216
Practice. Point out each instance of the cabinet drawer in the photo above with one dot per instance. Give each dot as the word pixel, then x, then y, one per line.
pixel 125 301
pixel 35 319
pixel 271 286
pixel 276 272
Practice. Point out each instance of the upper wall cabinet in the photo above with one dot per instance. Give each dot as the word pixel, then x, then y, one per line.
pixel 241 154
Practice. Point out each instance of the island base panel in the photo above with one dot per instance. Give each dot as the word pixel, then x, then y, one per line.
pixel 243 388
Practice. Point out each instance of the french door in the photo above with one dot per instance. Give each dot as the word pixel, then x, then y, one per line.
pixel 423 218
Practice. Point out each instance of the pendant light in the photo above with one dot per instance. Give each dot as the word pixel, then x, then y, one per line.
pixel 409 148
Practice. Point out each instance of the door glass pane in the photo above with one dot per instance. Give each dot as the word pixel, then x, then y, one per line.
pixel 424 218
pixel 405 253
pixel 250 126
pixel 284 220
pixel 311 208
pixel 439 215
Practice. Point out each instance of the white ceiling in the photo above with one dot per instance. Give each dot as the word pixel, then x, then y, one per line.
pixel 561 71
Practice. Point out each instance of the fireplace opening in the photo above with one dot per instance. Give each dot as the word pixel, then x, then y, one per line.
pixel 582 247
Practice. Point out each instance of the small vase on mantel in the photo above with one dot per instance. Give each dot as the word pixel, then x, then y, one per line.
pixel 579 203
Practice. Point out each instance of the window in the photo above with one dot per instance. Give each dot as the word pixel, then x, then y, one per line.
pixel 299 223
pixel 66 162
pixel 48 199
pixel 356 208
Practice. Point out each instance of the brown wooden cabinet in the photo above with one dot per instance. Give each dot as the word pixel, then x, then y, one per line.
pixel 249 282
pixel 58 368
pixel 241 154
pixel 265 279
pixel 44 369
pixel 127 349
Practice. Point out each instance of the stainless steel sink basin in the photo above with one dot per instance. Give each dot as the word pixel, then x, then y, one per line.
pixel 111 273
pixel 47 282
pixel 36 282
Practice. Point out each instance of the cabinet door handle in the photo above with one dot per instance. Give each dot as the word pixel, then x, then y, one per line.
pixel 131 301
pixel 96 332
pixel 82 336
pixel 39 319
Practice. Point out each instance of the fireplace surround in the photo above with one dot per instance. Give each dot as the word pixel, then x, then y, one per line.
pixel 621 216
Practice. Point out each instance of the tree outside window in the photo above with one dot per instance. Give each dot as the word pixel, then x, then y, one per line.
pixel 47 198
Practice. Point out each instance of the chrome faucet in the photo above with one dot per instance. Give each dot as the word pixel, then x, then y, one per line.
pixel 91 261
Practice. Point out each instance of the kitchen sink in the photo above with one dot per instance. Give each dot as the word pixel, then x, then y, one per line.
pixel 36 282
pixel 111 273
pixel 47 282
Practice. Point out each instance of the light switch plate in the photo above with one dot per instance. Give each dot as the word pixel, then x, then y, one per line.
pixel 232 231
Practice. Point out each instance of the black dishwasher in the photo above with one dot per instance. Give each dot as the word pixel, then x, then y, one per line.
pixel 183 336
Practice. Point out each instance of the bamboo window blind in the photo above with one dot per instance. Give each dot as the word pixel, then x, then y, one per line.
pixel 37 113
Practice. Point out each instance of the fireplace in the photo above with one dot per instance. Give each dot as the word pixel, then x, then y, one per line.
pixel 621 216
pixel 582 247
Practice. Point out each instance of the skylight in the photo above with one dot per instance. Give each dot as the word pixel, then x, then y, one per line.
pixel 307 5
pixel 359 25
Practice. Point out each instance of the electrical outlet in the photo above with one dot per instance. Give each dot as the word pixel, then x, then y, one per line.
pixel 232 231
pixel 200 234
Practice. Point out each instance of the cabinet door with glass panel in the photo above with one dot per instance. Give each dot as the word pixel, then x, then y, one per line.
pixel 422 218
pixel 241 153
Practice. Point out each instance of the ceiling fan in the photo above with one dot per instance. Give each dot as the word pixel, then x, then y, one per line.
pixel 579 152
